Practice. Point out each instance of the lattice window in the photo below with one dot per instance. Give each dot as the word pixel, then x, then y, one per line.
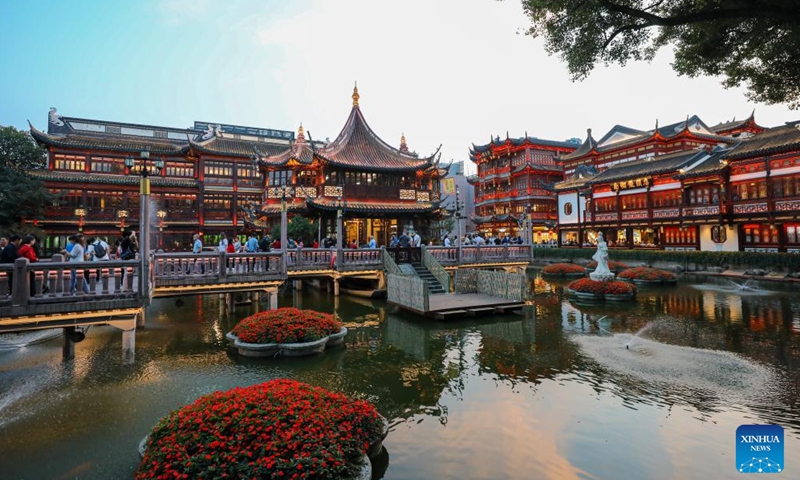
pixel 407 194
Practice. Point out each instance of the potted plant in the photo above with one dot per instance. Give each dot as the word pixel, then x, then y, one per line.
pixel 564 270
pixel 286 331
pixel 648 276
pixel 588 289
pixel 277 429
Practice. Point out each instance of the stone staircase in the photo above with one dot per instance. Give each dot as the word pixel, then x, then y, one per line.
pixel 434 287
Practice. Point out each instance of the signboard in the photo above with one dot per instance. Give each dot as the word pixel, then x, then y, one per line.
pixel 449 186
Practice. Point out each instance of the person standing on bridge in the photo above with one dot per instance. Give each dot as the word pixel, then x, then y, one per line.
pixel 10 255
pixel 197 246
pixel 372 243
pixel 417 241
pixel 76 255
pixel 223 243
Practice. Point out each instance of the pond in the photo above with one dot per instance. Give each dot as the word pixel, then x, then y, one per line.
pixel 650 390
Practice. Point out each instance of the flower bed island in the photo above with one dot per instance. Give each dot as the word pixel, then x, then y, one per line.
pixel 648 276
pixel 278 429
pixel 286 331
pixel 588 289
pixel 564 270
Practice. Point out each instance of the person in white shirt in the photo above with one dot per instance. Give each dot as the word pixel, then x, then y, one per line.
pixel 416 240
pixel 446 241
pixel 237 245
pixel 372 243
pixel 478 240
pixel 92 250
pixel 223 243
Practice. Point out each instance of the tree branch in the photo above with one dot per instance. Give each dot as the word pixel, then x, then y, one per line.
pixel 701 15
pixel 623 29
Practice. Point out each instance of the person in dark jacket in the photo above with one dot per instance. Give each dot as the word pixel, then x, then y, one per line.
pixel 10 255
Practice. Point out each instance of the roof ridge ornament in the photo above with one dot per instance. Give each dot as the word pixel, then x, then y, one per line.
pixel 403 145
pixel 356 96
pixel 301 138
pixel 55 118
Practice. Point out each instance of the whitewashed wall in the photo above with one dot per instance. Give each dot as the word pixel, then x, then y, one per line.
pixel 730 245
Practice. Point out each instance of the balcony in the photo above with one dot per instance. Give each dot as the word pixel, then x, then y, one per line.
pixel 760 207
pixel 635 215
pixel 606 217
pixel 701 211
pixel 787 205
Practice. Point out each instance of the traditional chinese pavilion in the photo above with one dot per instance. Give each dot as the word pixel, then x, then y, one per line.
pixel 378 189
pixel 208 174
pixel 685 186
pixel 515 179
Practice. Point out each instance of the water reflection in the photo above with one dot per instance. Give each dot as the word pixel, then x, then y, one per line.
pixel 468 399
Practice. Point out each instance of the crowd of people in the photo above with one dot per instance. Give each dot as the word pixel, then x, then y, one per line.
pixel 79 249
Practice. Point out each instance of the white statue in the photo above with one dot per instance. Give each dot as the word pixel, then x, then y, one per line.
pixel 55 118
pixel 209 133
pixel 601 272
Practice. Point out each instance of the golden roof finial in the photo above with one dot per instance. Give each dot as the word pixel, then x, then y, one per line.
pixel 403 146
pixel 355 95
pixel 301 138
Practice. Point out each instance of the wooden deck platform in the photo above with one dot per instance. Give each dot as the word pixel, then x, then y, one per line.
pixel 446 306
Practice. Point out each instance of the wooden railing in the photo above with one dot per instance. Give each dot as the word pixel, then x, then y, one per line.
pixel 185 269
pixel 480 254
pixel 436 269
pixel 55 286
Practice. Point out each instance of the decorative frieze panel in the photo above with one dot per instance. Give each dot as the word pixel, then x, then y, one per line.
pixel 333 191
pixel 787 205
pixel 634 215
pixel 750 208
pixel 436 196
pixel 274 192
pixel 605 217
pixel 667 213
pixel 303 192
pixel 406 194
pixel 701 211
pixel 423 196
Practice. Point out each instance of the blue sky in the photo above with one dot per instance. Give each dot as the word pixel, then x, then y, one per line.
pixel 450 71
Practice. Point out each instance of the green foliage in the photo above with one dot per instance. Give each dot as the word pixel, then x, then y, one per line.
pixel 750 42
pixel 21 195
pixel 299 228
pixel 770 261
pixel 443 227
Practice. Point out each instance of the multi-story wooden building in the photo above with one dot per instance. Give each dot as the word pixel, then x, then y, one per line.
pixel 515 178
pixel 208 174
pixel 685 186
pixel 379 190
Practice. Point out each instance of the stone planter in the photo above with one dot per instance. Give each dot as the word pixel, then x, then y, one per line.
pixel 366 469
pixel 625 297
pixel 143 446
pixel 586 295
pixel 260 350
pixel 301 349
pixel 337 338
pixel 376 446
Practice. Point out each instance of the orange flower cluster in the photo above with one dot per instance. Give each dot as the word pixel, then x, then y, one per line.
pixel 286 325
pixel 563 269
pixel 587 285
pixel 649 274
pixel 278 429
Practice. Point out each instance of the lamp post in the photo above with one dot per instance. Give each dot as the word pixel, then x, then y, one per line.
pixel 458 225
pixel 122 215
pixel 161 214
pixel 80 213
pixel 144 171
pixel 284 225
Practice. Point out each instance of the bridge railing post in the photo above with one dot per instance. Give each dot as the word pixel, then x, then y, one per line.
pixel 20 287
pixel 339 259
pixel 223 267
